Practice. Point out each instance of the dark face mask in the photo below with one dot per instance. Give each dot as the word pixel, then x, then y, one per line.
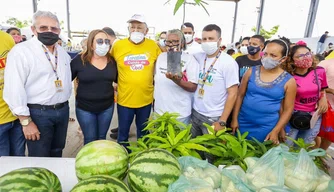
pixel 48 38
pixel 253 50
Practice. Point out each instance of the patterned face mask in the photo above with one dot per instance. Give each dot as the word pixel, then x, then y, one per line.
pixel 304 62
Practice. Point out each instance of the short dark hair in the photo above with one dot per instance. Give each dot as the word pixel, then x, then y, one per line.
pixel 164 32
pixel 230 51
pixel 213 27
pixel 188 25
pixel 330 43
pixel 237 43
pixel 109 31
pixel 245 38
pixel 12 29
pixel 326 32
pixel 259 37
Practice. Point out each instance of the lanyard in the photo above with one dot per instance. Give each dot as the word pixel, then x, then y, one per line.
pixel 210 68
pixel 54 68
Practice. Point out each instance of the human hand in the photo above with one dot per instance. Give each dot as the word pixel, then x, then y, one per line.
pixel 234 126
pixel 323 105
pixel 272 136
pixel 31 132
pixel 217 126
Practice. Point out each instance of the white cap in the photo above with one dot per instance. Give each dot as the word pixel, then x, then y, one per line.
pixel 137 17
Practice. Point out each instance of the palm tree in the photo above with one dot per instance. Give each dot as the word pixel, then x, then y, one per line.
pixel 179 3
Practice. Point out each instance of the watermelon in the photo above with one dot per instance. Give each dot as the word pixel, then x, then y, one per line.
pixel 32 179
pixel 101 157
pixel 100 183
pixel 153 170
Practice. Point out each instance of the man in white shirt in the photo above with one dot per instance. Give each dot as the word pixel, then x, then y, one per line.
pixel 38 86
pixel 172 93
pixel 192 46
pixel 217 86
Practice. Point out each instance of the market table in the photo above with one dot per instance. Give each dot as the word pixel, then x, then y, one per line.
pixel 64 168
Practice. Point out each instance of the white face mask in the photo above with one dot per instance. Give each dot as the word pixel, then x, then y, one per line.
pixel 209 47
pixel 188 37
pixel 244 50
pixel 102 50
pixel 162 43
pixel 137 37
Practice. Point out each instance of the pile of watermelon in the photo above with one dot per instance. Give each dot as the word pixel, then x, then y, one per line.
pixel 101 166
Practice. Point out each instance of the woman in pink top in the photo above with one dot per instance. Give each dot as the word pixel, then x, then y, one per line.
pixel 328 65
pixel 311 84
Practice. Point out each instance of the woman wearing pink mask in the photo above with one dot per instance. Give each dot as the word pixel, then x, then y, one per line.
pixel 15 33
pixel 311 84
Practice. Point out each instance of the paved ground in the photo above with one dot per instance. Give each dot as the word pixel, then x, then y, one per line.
pixel 75 139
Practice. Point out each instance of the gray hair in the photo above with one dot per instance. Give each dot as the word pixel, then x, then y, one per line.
pixel 180 35
pixel 47 14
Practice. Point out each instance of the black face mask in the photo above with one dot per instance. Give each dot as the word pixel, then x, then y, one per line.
pixel 253 50
pixel 48 38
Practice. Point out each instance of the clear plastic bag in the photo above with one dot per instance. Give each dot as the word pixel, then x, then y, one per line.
pixel 302 174
pixel 233 180
pixel 268 170
pixel 275 189
pixel 195 168
pixel 251 161
pixel 184 184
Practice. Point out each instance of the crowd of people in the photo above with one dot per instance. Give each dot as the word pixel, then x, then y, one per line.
pixel 270 89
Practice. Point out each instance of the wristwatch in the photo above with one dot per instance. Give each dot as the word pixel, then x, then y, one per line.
pixel 222 123
pixel 26 122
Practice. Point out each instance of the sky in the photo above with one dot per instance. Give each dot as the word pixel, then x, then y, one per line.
pixel 87 15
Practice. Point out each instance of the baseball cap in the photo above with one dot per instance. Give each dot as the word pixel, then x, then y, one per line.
pixel 137 17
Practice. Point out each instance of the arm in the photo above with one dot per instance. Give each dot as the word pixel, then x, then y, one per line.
pixel 240 98
pixel 285 111
pixel 186 85
pixel 16 74
pixel 330 91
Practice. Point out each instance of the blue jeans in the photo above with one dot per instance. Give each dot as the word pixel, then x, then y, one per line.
pixel 185 120
pixel 52 124
pixel 12 141
pixel 307 135
pixel 320 47
pixel 94 125
pixel 125 118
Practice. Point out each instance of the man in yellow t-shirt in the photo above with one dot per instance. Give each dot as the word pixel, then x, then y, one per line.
pixel 135 57
pixel 12 141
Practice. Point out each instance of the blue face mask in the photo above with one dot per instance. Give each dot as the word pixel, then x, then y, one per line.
pixel 253 50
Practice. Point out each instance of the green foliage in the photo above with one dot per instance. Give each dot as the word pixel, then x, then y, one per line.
pixel 267 34
pixel 179 3
pixel 169 134
pixel 18 23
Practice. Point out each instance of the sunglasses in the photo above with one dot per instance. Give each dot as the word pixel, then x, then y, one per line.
pixel 101 41
pixel 44 28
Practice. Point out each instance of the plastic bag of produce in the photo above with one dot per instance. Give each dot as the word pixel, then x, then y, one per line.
pixel 274 189
pixel 327 186
pixel 268 170
pixel 233 180
pixel 251 161
pixel 195 168
pixel 303 175
pixel 184 184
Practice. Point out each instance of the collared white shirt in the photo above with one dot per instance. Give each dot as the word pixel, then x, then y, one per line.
pixel 30 79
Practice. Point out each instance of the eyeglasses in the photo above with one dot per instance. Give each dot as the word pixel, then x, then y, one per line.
pixel 304 55
pixel 44 28
pixel 100 41
pixel 172 42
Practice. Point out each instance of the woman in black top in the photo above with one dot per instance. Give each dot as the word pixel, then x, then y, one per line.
pixel 96 71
